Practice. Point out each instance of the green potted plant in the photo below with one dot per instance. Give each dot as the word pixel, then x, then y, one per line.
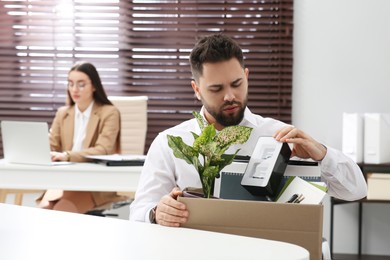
pixel 207 154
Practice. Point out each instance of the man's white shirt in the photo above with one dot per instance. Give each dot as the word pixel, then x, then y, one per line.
pixel 162 171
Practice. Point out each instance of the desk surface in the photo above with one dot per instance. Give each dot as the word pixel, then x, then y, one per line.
pixel 32 233
pixel 78 176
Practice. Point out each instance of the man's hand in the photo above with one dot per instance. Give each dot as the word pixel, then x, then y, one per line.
pixel 304 146
pixel 170 212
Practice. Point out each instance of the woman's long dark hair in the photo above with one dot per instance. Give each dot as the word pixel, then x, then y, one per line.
pixel 99 95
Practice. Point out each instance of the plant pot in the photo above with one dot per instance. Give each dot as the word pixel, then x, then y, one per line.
pixel 195 194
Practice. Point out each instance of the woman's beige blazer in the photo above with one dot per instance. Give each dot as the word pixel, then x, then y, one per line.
pixel 102 137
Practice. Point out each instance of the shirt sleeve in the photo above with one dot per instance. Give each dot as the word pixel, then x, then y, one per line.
pixel 343 176
pixel 157 179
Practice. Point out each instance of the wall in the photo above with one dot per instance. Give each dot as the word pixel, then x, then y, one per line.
pixel 342 64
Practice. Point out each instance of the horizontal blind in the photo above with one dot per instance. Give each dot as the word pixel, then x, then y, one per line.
pixel 162 33
pixel 39 42
pixel 139 48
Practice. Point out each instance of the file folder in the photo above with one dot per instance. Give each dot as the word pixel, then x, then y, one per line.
pixel 353 138
pixel 376 138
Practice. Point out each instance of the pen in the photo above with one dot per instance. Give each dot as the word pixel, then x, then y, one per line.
pixel 293 198
pixel 300 199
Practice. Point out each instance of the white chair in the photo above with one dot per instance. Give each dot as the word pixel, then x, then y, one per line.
pixel 134 123
pixel 133 111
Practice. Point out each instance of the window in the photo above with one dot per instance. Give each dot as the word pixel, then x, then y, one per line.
pixel 139 48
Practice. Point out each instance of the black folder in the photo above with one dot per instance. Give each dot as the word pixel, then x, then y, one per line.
pixel 118 159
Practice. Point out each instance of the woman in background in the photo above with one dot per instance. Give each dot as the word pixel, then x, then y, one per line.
pixel 89 124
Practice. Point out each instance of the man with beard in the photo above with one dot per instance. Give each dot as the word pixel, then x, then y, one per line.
pixel 221 83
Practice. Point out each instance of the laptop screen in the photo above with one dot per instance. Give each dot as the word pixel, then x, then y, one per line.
pixel 26 142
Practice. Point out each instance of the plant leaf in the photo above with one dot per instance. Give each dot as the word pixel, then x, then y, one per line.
pixel 199 119
pixel 227 159
pixel 198 165
pixel 232 135
pixel 208 178
pixel 205 137
pixel 194 135
pixel 182 150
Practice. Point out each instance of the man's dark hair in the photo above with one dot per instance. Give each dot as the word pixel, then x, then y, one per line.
pixel 214 48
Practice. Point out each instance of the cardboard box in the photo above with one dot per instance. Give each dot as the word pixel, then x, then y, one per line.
pixel 292 223
pixel 378 186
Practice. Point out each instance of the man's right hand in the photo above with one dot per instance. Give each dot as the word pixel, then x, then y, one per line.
pixel 170 212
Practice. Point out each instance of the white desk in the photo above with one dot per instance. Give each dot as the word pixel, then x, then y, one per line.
pixel 78 176
pixel 32 233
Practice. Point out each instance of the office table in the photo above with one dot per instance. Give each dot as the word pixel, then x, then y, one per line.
pixel 32 233
pixel 77 176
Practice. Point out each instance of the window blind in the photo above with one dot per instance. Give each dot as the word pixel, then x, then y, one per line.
pixel 139 48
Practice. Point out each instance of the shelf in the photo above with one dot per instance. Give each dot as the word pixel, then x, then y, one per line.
pixel 359 257
pixel 382 168
pixel 337 201
pixel 366 168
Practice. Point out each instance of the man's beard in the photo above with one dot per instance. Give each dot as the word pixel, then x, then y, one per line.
pixel 230 119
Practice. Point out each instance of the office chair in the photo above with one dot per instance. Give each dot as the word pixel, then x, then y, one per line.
pixel 134 123
pixel 133 111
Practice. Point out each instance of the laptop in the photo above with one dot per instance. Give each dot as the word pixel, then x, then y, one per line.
pixel 27 143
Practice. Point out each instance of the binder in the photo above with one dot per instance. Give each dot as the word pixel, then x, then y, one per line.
pixel 121 163
pixel 118 159
pixel 353 138
pixel 232 188
pixel 376 138
pixel 228 185
pixel 308 170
